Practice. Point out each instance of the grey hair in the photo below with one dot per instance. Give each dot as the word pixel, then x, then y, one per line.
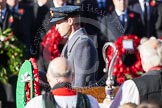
pixel 151 56
pixel 57 73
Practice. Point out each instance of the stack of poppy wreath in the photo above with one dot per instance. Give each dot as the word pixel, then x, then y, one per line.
pixel 128 63
pixel 28 85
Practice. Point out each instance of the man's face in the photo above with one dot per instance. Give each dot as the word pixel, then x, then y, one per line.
pixel 2 4
pixel 42 1
pixel 63 27
pixel 60 2
pixel 12 3
pixel 120 5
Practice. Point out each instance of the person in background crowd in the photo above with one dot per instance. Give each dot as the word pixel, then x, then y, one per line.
pixel 22 23
pixel 43 26
pixel 149 12
pixel 6 94
pixel 121 21
pixel 148 86
pixel 41 10
pixel 79 49
pixel 12 3
pixel 16 20
pixel 5 15
pixel 60 77
pixel 158 25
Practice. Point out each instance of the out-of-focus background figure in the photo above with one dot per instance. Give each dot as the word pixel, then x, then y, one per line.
pixel 149 12
pixel 120 21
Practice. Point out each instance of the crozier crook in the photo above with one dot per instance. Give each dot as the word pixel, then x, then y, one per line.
pixel 109 89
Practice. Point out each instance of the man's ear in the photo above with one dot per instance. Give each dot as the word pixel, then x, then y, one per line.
pixel 70 21
pixel 47 76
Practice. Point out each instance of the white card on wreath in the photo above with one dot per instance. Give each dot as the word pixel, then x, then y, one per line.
pixel 128 44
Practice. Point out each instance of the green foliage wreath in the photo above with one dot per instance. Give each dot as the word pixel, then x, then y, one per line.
pixel 11 55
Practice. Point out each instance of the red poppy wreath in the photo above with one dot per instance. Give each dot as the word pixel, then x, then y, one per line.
pixel 128 63
pixel 50 44
pixel 36 84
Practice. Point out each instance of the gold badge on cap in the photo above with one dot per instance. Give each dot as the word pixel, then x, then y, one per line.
pixel 51 13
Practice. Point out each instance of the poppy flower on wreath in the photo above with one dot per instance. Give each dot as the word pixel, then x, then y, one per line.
pixel 128 63
pixel 36 82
